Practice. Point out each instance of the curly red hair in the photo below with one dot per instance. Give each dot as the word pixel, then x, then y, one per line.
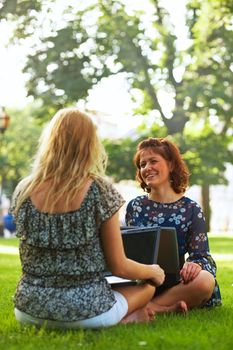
pixel 179 176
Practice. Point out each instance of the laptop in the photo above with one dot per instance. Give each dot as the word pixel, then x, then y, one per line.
pixel 168 256
pixel 141 245
pixel 150 245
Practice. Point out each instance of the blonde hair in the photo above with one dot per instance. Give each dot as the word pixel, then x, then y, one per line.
pixel 69 154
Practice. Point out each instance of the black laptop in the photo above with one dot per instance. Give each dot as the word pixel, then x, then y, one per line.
pixel 150 245
pixel 168 256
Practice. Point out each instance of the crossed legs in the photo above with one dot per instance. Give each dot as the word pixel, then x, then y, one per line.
pixel 142 306
pixel 182 297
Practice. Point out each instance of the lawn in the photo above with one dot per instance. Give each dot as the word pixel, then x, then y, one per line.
pixel 199 330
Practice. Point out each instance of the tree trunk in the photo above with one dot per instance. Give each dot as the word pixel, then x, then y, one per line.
pixel 1 230
pixel 205 198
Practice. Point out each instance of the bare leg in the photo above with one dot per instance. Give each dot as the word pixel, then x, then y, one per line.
pixel 182 297
pixel 138 298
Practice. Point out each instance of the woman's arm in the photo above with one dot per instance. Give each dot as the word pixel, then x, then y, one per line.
pixel 198 244
pixel 116 260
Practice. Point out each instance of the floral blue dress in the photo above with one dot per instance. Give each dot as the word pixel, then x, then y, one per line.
pixel 187 217
pixel 62 259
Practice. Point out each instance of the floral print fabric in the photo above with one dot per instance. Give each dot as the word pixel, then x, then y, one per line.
pixel 62 260
pixel 187 217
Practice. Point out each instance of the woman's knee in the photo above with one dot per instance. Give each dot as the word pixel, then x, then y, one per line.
pixel 150 290
pixel 146 291
pixel 204 284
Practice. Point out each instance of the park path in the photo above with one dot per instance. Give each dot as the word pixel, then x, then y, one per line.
pixel 8 250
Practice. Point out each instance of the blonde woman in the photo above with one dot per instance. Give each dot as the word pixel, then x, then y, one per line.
pixel 67 222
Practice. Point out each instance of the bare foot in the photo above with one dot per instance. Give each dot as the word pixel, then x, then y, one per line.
pixel 179 307
pixel 141 315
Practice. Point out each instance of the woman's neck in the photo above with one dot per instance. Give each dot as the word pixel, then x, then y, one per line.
pixel 164 195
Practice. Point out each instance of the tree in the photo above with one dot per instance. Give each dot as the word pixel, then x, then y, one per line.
pixel 107 37
pixel 209 88
pixel 67 63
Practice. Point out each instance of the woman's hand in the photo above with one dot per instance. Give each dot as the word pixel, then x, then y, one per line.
pixel 189 271
pixel 158 276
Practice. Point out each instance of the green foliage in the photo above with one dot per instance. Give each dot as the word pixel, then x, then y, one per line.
pixel 209 83
pixel 18 8
pixel 18 146
pixel 120 158
pixel 121 152
pixel 206 154
pixel 74 56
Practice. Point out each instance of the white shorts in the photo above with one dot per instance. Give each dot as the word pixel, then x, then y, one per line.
pixel 107 319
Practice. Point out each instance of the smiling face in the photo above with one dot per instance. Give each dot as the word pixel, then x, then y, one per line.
pixel 159 161
pixel 154 169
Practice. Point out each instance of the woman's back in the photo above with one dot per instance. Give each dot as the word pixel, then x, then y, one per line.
pixel 61 255
pixel 38 199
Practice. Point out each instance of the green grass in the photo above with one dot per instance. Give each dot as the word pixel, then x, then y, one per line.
pixel 221 245
pixel 12 242
pixel 199 330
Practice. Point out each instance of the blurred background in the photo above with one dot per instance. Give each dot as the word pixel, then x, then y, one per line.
pixel 153 68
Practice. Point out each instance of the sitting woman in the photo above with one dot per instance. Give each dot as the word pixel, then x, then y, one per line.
pixel 67 221
pixel 163 174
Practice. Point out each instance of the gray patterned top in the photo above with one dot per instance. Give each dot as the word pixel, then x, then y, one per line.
pixel 62 260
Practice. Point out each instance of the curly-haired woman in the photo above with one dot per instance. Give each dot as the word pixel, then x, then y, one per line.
pixel 163 175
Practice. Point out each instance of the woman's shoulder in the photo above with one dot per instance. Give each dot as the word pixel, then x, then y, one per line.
pixel 103 184
pixel 193 207
pixel 139 200
pixel 190 202
pixel 21 186
pixel 105 188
